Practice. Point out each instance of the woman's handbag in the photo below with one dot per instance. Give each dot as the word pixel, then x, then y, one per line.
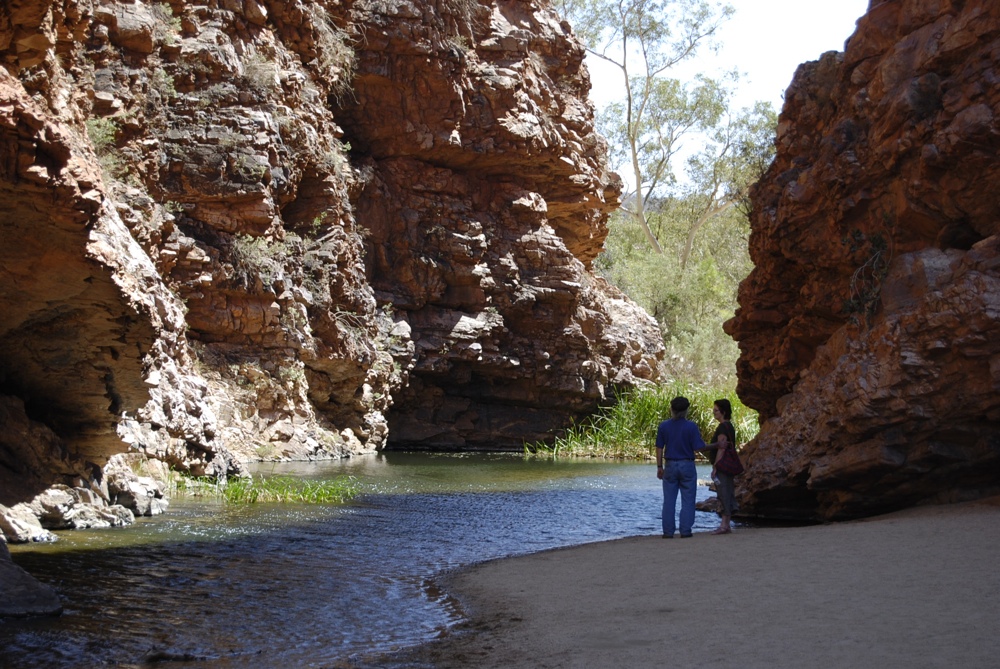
pixel 729 462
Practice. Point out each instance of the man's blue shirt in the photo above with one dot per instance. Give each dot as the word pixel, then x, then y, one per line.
pixel 679 438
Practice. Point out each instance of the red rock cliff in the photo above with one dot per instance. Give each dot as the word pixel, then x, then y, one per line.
pixel 868 329
pixel 485 198
pixel 282 229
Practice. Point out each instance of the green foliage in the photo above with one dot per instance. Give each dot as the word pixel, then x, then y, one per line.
pixel 217 95
pixel 627 429
pixel 679 247
pixel 691 303
pixel 644 39
pixel 335 160
pixel 167 27
pixel 735 153
pixel 753 150
pixel 318 222
pixel 666 31
pixel 336 59
pixel 103 134
pixel 671 112
pixel 252 490
pixel 293 373
pixel 260 75
pixel 460 42
pixel 162 83
pixel 258 257
pixel 248 169
pixel 274 489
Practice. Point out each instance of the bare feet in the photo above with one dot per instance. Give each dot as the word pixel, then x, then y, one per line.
pixel 722 530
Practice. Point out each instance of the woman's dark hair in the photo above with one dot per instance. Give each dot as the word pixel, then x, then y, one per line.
pixel 726 408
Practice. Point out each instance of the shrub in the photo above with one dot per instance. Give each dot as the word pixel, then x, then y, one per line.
pixel 627 428
pixel 258 257
pixel 690 300
pixel 335 59
pixel 103 134
pixel 866 281
pixel 261 74
pixel 168 26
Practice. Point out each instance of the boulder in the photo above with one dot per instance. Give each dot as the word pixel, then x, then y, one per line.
pixel 18 524
pixel 20 594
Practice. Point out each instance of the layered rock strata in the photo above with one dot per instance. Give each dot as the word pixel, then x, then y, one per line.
pixel 868 329
pixel 274 229
pixel 485 199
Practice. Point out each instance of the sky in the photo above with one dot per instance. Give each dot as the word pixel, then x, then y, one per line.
pixel 766 40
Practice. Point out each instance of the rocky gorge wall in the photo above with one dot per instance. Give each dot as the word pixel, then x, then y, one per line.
pixel 270 229
pixel 485 201
pixel 868 329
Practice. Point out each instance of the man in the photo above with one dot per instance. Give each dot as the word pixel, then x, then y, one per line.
pixel 676 441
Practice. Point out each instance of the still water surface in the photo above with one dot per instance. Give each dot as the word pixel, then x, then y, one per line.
pixel 214 586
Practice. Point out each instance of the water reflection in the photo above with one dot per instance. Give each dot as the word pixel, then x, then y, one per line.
pixel 313 585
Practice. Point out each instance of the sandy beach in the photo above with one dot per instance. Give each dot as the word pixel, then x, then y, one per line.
pixel 918 588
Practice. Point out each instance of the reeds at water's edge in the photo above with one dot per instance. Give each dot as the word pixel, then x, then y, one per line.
pixel 262 489
pixel 627 428
pixel 624 430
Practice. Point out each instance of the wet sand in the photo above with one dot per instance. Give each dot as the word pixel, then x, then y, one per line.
pixel 919 588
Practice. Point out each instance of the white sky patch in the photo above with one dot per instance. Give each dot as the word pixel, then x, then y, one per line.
pixel 765 39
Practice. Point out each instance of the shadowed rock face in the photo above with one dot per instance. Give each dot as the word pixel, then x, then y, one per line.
pixel 279 229
pixel 868 330
pixel 75 327
pixel 23 595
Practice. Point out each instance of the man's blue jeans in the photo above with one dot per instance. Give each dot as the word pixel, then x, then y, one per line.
pixel 679 475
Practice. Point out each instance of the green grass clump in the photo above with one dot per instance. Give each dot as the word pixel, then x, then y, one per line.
pixel 627 429
pixel 275 489
pixel 256 489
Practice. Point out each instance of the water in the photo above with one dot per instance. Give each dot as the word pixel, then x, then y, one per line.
pixel 215 586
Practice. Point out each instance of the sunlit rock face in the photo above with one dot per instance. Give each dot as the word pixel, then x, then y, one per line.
pixel 869 329
pixel 485 198
pixel 273 229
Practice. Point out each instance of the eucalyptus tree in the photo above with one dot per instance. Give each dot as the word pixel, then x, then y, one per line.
pixel 735 154
pixel 644 40
pixel 688 157
pixel 703 229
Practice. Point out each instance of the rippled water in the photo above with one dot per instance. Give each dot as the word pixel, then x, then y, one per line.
pixel 208 585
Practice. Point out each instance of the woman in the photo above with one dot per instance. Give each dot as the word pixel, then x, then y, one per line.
pixel 725 437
